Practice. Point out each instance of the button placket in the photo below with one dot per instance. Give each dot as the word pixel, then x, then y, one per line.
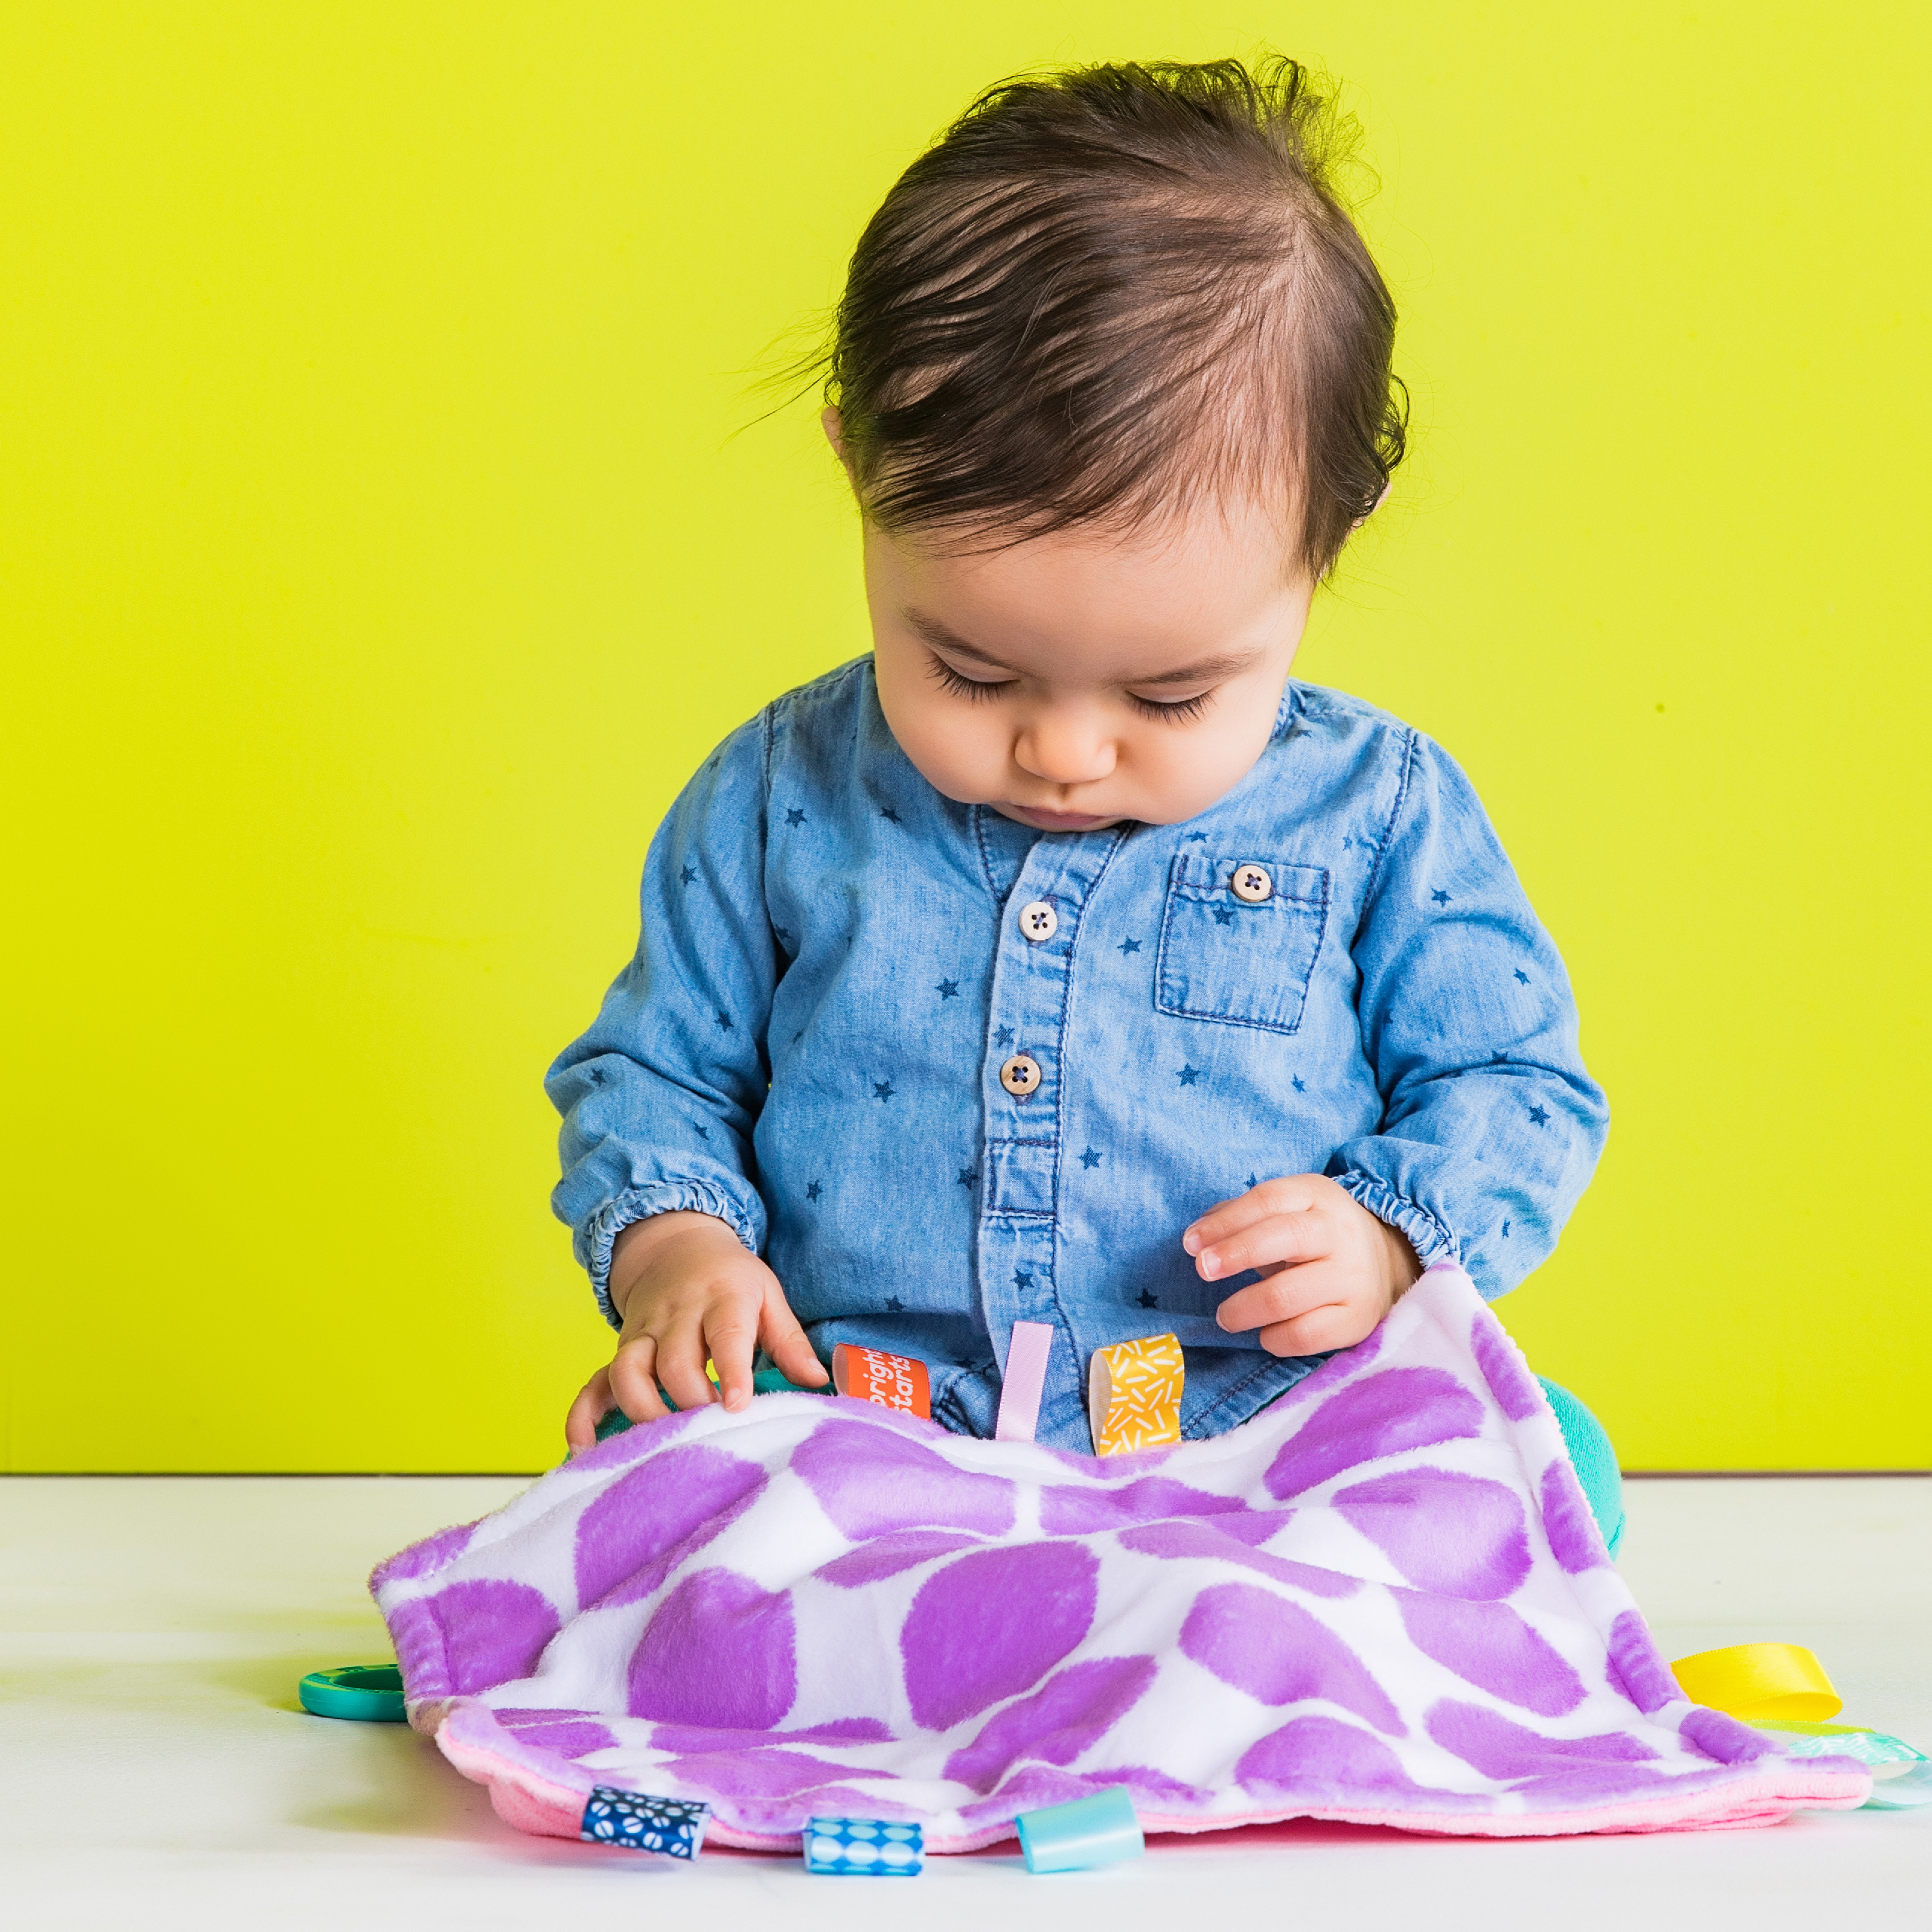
pixel 1032 965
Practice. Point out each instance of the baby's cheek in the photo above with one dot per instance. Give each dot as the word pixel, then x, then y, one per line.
pixel 964 761
pixel 1183 770
pixel 961 755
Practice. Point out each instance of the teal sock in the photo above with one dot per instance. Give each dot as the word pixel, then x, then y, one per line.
pixel 1592 1458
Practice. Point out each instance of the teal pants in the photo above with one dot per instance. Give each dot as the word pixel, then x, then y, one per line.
pixel 1592 1458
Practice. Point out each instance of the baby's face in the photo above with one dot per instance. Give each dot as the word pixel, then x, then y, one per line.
pixel 1080 679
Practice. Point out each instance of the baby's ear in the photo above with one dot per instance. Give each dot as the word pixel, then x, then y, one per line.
pixel 1382 496
pixel 833 424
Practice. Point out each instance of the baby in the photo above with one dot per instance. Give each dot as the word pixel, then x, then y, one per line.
pixel 1065 960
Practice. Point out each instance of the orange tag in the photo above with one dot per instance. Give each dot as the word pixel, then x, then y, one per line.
pixel 894 1382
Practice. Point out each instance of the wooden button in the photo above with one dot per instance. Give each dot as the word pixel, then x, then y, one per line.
pixel 1039 921
pixel 1251 882
pixel 1020 1075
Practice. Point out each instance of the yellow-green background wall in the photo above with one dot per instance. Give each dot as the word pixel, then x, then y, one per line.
pixel 376 559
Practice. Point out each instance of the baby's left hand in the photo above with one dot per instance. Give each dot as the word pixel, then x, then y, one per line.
pixel 1331 1270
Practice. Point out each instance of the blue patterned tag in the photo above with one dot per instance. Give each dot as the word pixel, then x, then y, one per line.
pixel 864 1848
pixel 670 1827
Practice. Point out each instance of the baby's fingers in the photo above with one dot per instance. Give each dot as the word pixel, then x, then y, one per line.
pixel 1269 1242
pixel 592 1404
pixel 633 1377
pixel 787 1344
pixel 731 1334
pixel 1337 1325
pixel 680 1365
pixel 1282 1296
pixel 1263 1202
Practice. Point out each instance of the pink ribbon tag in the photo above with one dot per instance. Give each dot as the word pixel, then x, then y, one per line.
pixel 1026 1353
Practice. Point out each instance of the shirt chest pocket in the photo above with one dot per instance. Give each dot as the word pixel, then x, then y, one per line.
pixel 1240 940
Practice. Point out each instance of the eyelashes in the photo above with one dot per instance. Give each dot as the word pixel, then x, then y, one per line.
pixel 972 689
pixel 1181 711
pixel 975 691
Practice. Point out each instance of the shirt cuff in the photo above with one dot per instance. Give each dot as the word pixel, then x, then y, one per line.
pixel 1431 1240
pixel 598 1234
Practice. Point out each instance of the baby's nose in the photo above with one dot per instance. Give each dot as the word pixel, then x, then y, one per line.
pixel 1064 752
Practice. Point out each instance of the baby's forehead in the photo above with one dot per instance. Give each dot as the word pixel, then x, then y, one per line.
pixel 1159 606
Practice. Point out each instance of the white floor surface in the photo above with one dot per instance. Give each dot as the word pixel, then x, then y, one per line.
pixel 156 1772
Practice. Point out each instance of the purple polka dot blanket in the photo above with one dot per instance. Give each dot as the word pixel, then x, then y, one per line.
pixel 1384 1600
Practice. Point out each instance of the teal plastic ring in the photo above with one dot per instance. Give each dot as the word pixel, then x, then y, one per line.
pixel 365 1692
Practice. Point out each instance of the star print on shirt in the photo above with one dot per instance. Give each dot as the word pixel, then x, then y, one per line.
pixel 1253 1182
pixel 894 1305
pixel 969 1177
pixel 1146 1299
pixel 686 874
pixel 1441 897
pixel 1522 977
pixel 883 1090
pixel 1301 1085
pixel 1127 946
pixel 724 1021
pixel 1003 1037
pixel 1023 1278
pixel 1192 836
pixel 782 934
pixel 1090 1160
pixel 1188 1075
pixel 1540 1116
pixel 1224 916
pixel 813 1190
pixel 703 1133
pixel 1505 1231
pixel 794 817
pixel 886 812
pixel 948 989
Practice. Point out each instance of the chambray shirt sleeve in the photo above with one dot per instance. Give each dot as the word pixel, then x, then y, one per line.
pixel 659 1098
pixel 1491 1127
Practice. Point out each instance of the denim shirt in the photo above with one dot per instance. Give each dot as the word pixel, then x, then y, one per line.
pixel 833 972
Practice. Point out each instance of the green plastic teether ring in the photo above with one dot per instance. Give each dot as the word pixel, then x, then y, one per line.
pixel 368 1693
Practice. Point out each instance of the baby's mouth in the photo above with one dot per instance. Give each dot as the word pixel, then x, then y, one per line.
pixel 1048 821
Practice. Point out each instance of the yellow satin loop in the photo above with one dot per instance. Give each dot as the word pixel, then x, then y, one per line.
pixel 1760 1681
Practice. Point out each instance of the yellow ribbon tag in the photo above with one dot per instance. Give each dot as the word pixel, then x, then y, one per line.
pixel 1134 1392
pixel 1756 1682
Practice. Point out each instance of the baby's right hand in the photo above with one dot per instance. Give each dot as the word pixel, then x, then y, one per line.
pixel 687 1288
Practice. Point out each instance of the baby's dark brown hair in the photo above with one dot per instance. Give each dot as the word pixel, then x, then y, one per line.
pixel 1110 296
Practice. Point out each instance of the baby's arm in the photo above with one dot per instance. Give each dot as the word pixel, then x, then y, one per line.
pixel 660 1100
pixel 1490 1126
